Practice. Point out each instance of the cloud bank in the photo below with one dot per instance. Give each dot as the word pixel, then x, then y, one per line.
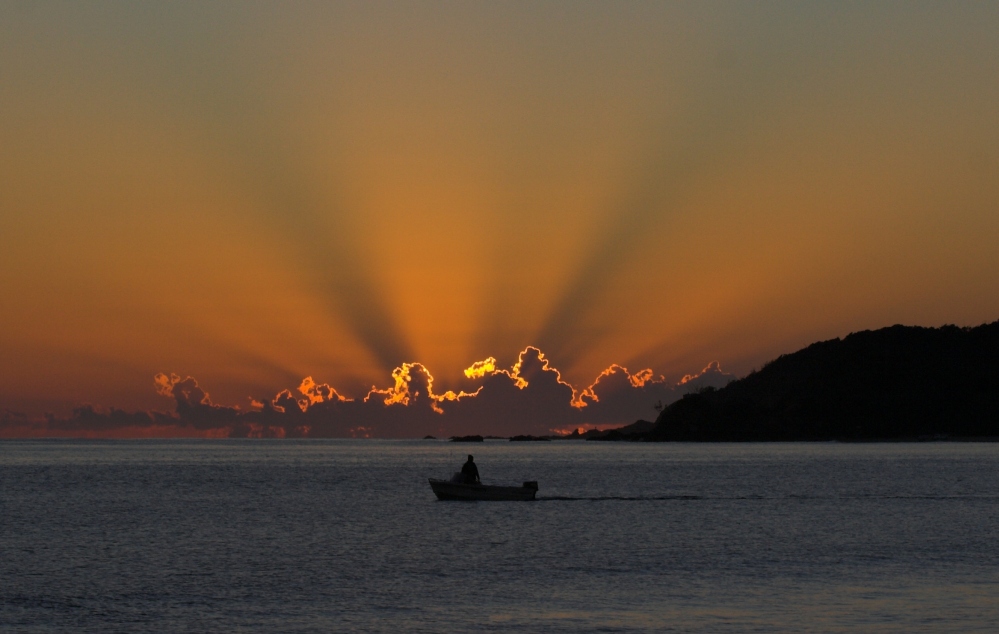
pixel 530 397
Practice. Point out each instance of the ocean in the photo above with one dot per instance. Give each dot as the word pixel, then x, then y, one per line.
pixel 346 535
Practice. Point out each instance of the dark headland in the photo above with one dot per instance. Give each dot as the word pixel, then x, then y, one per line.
pixel 897 383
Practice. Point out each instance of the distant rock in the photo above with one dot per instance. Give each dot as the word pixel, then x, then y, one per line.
pixel 466 439
pixel 634 431
pixel 528 437
pixel 429 437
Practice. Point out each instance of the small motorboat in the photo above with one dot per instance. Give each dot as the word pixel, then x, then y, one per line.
pixel 445 490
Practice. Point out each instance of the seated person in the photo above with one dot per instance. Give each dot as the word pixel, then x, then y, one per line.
pixel 469 472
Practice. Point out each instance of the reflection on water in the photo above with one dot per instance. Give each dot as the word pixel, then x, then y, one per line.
pixel 346 535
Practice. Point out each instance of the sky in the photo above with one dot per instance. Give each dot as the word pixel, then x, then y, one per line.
pixel 349 205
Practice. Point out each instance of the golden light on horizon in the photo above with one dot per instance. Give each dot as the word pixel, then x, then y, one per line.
pixel 256 194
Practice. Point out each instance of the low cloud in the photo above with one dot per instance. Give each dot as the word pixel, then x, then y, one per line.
pixel 530 397
pixel 711 376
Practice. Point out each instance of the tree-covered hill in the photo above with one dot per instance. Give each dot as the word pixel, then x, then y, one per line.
pixel 894 383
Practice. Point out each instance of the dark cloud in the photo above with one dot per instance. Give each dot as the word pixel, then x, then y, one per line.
pixel 11 418
pixel 89 418
pixel 194 406
pixel 618 396
pixel 13 423
pixel 711 376
pixel 530 397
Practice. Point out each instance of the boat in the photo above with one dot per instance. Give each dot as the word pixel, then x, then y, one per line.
pixel 445 490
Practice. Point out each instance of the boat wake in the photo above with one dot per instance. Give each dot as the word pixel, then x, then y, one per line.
pixel 659 498
pixel 609 498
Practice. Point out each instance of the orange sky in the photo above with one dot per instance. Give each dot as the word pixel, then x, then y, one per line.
pixel 253 193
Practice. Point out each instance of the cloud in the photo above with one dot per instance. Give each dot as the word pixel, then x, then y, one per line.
pixel 10 418
pixel 194 406
pixel 90 421
pixel 480 369
pixel 529 397
pixel 318 393
pixel 710 376
pixel 617 394
pixel 15 424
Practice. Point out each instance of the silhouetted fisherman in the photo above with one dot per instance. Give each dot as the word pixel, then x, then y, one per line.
pixel 469 472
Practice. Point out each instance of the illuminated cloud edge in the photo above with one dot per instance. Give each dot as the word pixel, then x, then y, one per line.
pixel 530 397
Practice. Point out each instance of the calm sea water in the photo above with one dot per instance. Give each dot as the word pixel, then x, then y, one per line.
pixel 307 536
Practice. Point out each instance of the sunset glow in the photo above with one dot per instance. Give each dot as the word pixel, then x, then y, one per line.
pixel 322 208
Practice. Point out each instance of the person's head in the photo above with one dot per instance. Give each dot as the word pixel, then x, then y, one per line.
pixel 470 458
